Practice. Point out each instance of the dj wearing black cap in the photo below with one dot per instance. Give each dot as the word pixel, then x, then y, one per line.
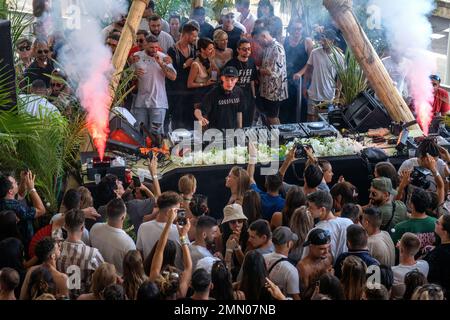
pixel 222 106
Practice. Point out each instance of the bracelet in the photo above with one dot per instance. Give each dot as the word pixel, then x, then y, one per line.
pixel 32 190
pixel 230 250
pixel 237 248
pixel 155 177
pixel 184 241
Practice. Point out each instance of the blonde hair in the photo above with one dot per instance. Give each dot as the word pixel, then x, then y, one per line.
pixel 86 198
pixel 243 182
pixel 46 296
pixel 104 276
pixel 187 184
pixel 353 277
pixel 428 292
pixel 301 223
pixel 133 273
pixel 218 34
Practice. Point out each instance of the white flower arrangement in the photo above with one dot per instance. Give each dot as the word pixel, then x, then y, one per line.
pixel 323 147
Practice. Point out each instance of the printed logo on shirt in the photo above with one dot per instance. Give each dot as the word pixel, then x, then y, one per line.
pixel 224 102
pixel 245 76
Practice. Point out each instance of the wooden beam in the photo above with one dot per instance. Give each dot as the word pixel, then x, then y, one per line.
pixel 376 73
pixel 126 40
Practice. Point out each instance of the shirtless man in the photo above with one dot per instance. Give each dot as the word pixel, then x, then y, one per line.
pixel 47 251
pixel 319 259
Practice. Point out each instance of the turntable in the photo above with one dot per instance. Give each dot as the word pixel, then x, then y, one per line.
pixel 319 129
pixel 289 131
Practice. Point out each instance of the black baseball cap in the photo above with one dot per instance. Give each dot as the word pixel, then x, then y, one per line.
pixel 329 34
pixel 230 72
pixel 318 237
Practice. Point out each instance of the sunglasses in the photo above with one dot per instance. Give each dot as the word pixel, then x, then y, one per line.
pixel 245 49
pixel 435 85
pixel 236 221
pixel 141 41
pixel 43 51
pixel 27 48
pixel 58 85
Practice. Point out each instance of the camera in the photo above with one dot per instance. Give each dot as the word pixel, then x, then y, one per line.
pixel 181 217
pixel 419 177
pixel 136 182
pixel 300 151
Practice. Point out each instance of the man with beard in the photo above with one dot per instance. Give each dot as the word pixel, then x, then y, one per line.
pixel 247 77
pixel 165 40
pixel 151 101
pixel 41 65
pixel 148 12
pixel 182 55
pixel 392 212
pixel 206 232
pixel 318 261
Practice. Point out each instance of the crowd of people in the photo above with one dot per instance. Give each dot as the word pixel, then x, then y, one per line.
pixel 313 241
pixel 278 241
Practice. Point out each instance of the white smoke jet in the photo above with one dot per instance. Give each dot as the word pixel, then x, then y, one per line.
pixel 87 61
pixel 409 31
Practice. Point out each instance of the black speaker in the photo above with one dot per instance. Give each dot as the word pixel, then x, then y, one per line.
pixel 121 130
pixel 7 72
pixel 365 113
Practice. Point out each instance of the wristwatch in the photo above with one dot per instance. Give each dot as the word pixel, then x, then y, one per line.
pixel 32 190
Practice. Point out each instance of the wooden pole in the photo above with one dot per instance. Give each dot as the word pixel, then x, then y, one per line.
pixel 376 73
pixel 197 3
pixel 126 40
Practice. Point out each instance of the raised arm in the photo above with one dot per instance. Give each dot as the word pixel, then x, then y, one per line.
pixel 157 261
pixel 35 198
pixel 290 158
pixel 252 161
pixel 153 168
pixel 187 261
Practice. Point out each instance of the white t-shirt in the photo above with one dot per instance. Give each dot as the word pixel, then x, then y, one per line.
pixel 283 274
pixel 198 253
pixel 150 232
pixel 338 232
pixel 323 83
pixel 37 106
pixel 398 288
pixel 113 244
pixel 165 41
pixel 152 85
pixel 145 26
pixel 382 248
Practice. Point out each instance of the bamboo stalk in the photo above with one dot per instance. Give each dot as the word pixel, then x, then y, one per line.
pixel 376 73
pixel 126 40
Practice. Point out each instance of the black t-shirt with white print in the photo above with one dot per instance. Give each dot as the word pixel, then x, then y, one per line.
pixel 221 107
pixel 247 73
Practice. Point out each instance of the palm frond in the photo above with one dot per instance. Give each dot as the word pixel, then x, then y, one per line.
pixel 350 74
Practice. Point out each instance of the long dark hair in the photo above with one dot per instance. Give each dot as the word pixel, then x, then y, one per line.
pixel 41 281
pixel 251 205
pixel 265 3
pixel 254 275
pixel 170 251
pixel 204 43
pixel 133 273
pixel 8 225
pixel 221 280
pixel 295 198
pixel 226 233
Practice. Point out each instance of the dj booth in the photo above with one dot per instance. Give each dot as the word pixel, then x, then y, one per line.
pixel 365 113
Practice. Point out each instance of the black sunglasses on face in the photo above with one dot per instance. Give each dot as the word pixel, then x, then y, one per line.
pixel 56 84
pixel 140 41
pixel 27 48
pixel 43 51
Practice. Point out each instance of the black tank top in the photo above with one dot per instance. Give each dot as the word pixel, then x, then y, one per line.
pixel 296 57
